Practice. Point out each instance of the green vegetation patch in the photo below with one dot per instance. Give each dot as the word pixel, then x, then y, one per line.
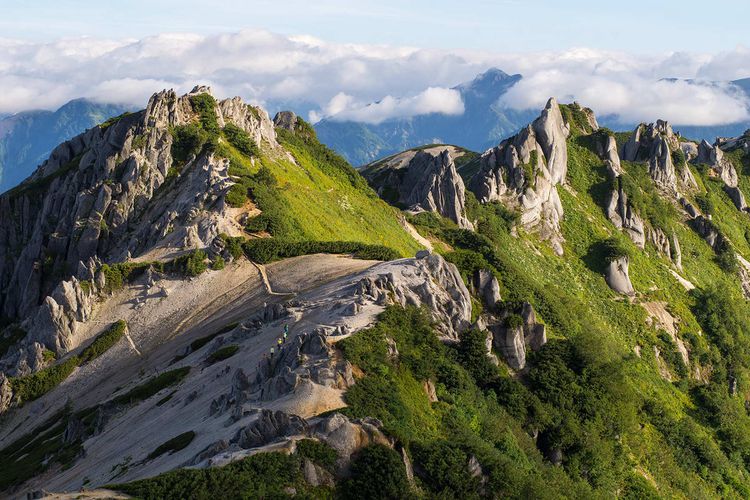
pixel 222 353
pixel 264 475
pixel 241 140
pixel 104 341
pixel 152 386
pixel 34 386
pixel 265 250
pixel 175 444
pixel 317 452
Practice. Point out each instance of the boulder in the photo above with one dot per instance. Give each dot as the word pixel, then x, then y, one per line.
pixel 510 342
pixel 617 277
pixel 737 197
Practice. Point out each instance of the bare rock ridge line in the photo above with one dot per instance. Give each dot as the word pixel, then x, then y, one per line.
pixel 94 201
pixel 251 403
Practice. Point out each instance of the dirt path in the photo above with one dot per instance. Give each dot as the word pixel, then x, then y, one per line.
pixel 264 276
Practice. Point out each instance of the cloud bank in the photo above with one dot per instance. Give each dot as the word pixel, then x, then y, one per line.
pixel 365 82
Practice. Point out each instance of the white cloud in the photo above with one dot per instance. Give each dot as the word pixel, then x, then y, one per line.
pixel 634 88
pixel 432 100
pixel 365 82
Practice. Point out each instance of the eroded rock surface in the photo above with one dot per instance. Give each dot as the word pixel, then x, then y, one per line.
pixel 424 180
pixel 654 143
pixel 617 276
pixel 524 170
pixel 113 202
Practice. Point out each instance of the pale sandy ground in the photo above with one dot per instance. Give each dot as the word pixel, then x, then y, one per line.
pixel 162 329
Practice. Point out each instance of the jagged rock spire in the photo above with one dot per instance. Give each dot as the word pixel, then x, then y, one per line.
pixel 524 170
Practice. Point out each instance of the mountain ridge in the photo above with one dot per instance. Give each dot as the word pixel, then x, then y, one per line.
pixel 578 328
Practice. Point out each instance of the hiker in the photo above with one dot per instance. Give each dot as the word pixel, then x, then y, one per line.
pixel 279 341
pixel 272 349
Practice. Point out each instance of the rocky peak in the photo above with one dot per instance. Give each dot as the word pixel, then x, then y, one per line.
pixel 654 144
pixel 723 168
pixel 713 156
pixel 95 197
pixel 423 180
pixel 524 170
pixel 551 132
pixel 285 119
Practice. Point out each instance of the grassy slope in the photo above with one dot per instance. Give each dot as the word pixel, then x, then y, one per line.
pixel 327 208
pixel 321 198
pixel 667 411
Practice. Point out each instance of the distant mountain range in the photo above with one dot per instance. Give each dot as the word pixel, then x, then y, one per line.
pixel 27 138
pixel 482 125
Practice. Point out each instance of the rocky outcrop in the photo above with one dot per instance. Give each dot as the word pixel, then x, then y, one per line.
pixel 654 144
pixel 102 197
pixel 617 277
pixel 54 323
pixel 723 168
pixel 428 280
pixel 285 119
pixel 676 252
pixel 309 359
pixel 486 286
pixel 524 170
pixel 512 330
pixel 268 427
pixel 6 393
pixel 422 181
pixel 349 436
pixel 713 156
pixel 622 215
pixel 737 197
pixel 707 230
pixel 607 150
pixel 659 239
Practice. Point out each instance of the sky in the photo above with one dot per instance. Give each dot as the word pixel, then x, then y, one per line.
pixel 335 58
pixel 641 26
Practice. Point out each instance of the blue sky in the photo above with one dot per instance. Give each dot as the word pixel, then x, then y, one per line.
pixel 643 26
pixel 333 58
